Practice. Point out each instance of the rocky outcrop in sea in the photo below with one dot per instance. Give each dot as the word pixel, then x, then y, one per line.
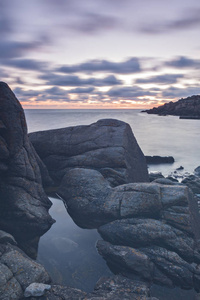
pixel 187 107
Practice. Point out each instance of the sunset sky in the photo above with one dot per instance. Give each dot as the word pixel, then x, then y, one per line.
pixel 100 53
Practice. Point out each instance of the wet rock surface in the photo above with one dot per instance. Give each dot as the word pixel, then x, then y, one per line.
pixel 108 146
pixel 24 205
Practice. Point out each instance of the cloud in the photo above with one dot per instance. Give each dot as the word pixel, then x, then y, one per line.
pixel 92 23
pixel 15 49
pixel 161 79
pixel 72 80
pixel 26 64
pixel 189 20
pixel 129 92
pixel 81 90
pixel 129 66
pixel 174 92
pixel 183 62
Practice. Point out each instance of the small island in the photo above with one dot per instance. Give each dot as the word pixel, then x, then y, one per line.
pixel 187 108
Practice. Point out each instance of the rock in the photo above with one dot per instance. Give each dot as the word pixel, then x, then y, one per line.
pixel 118 288
pixel 166 181
pixel 58 292
pixel 92 202
pixel 24 205
pixel 180 168
pixel 108 146
pixel 165 248
pixel 189 107
pixel 155 175
pixel 36 289
pixel 149 232
pixel 159 159
pixel 197 171
pixel 193 182
pixel 6 238
pixel 171 178
pixel 112 288
pixel 17 271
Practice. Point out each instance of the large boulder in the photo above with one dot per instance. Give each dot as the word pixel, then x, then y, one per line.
pixel 108 146
pixel 163 248
pixel 24 205
pixel 92 202
pixel 150 231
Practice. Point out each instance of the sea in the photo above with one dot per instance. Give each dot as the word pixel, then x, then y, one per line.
pixel 67 251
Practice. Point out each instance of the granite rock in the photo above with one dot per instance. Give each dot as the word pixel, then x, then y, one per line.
pixel 108 146
pixel 17 271
pixel 24 205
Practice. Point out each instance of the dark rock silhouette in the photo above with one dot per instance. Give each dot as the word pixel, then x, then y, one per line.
pixel 188 107
pixel 24 205
pixel 156 159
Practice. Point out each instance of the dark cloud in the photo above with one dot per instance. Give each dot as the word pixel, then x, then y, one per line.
pixel 174 92
pixel 71 80
pixel 129 92
pixel 15 49
pixel 129 66
pixel 183 62
pixel 161 79
pixel 81 90
pixel 26 64
pixel 189 20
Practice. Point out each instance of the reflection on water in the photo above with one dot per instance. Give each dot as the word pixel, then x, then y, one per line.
pixel 69 253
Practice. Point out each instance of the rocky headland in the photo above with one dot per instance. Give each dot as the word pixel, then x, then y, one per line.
pixel 185 108
pixel 150 231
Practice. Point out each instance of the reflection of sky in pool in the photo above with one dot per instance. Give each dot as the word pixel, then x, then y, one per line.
pixel 69 253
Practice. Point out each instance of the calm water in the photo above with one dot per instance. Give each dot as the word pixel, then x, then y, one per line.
pixel 67 251
pixel 156 135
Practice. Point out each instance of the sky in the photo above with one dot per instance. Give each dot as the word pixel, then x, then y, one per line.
pixel 100 53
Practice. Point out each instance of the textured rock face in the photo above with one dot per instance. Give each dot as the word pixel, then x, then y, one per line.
pixel 193 182
pixel 17 271
pixel 184 107
pixel 163 249
pixel 24 205
pixel 151 231
pixel 92 202
pixel 113 288
pixel 108 146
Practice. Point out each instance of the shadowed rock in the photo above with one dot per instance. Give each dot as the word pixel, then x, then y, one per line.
pixel 108 146
pixel 151 231
pixel 92 202
pixel 17 271
pixel 24 205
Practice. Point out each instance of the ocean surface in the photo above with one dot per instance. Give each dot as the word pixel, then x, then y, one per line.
pixel 67 251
